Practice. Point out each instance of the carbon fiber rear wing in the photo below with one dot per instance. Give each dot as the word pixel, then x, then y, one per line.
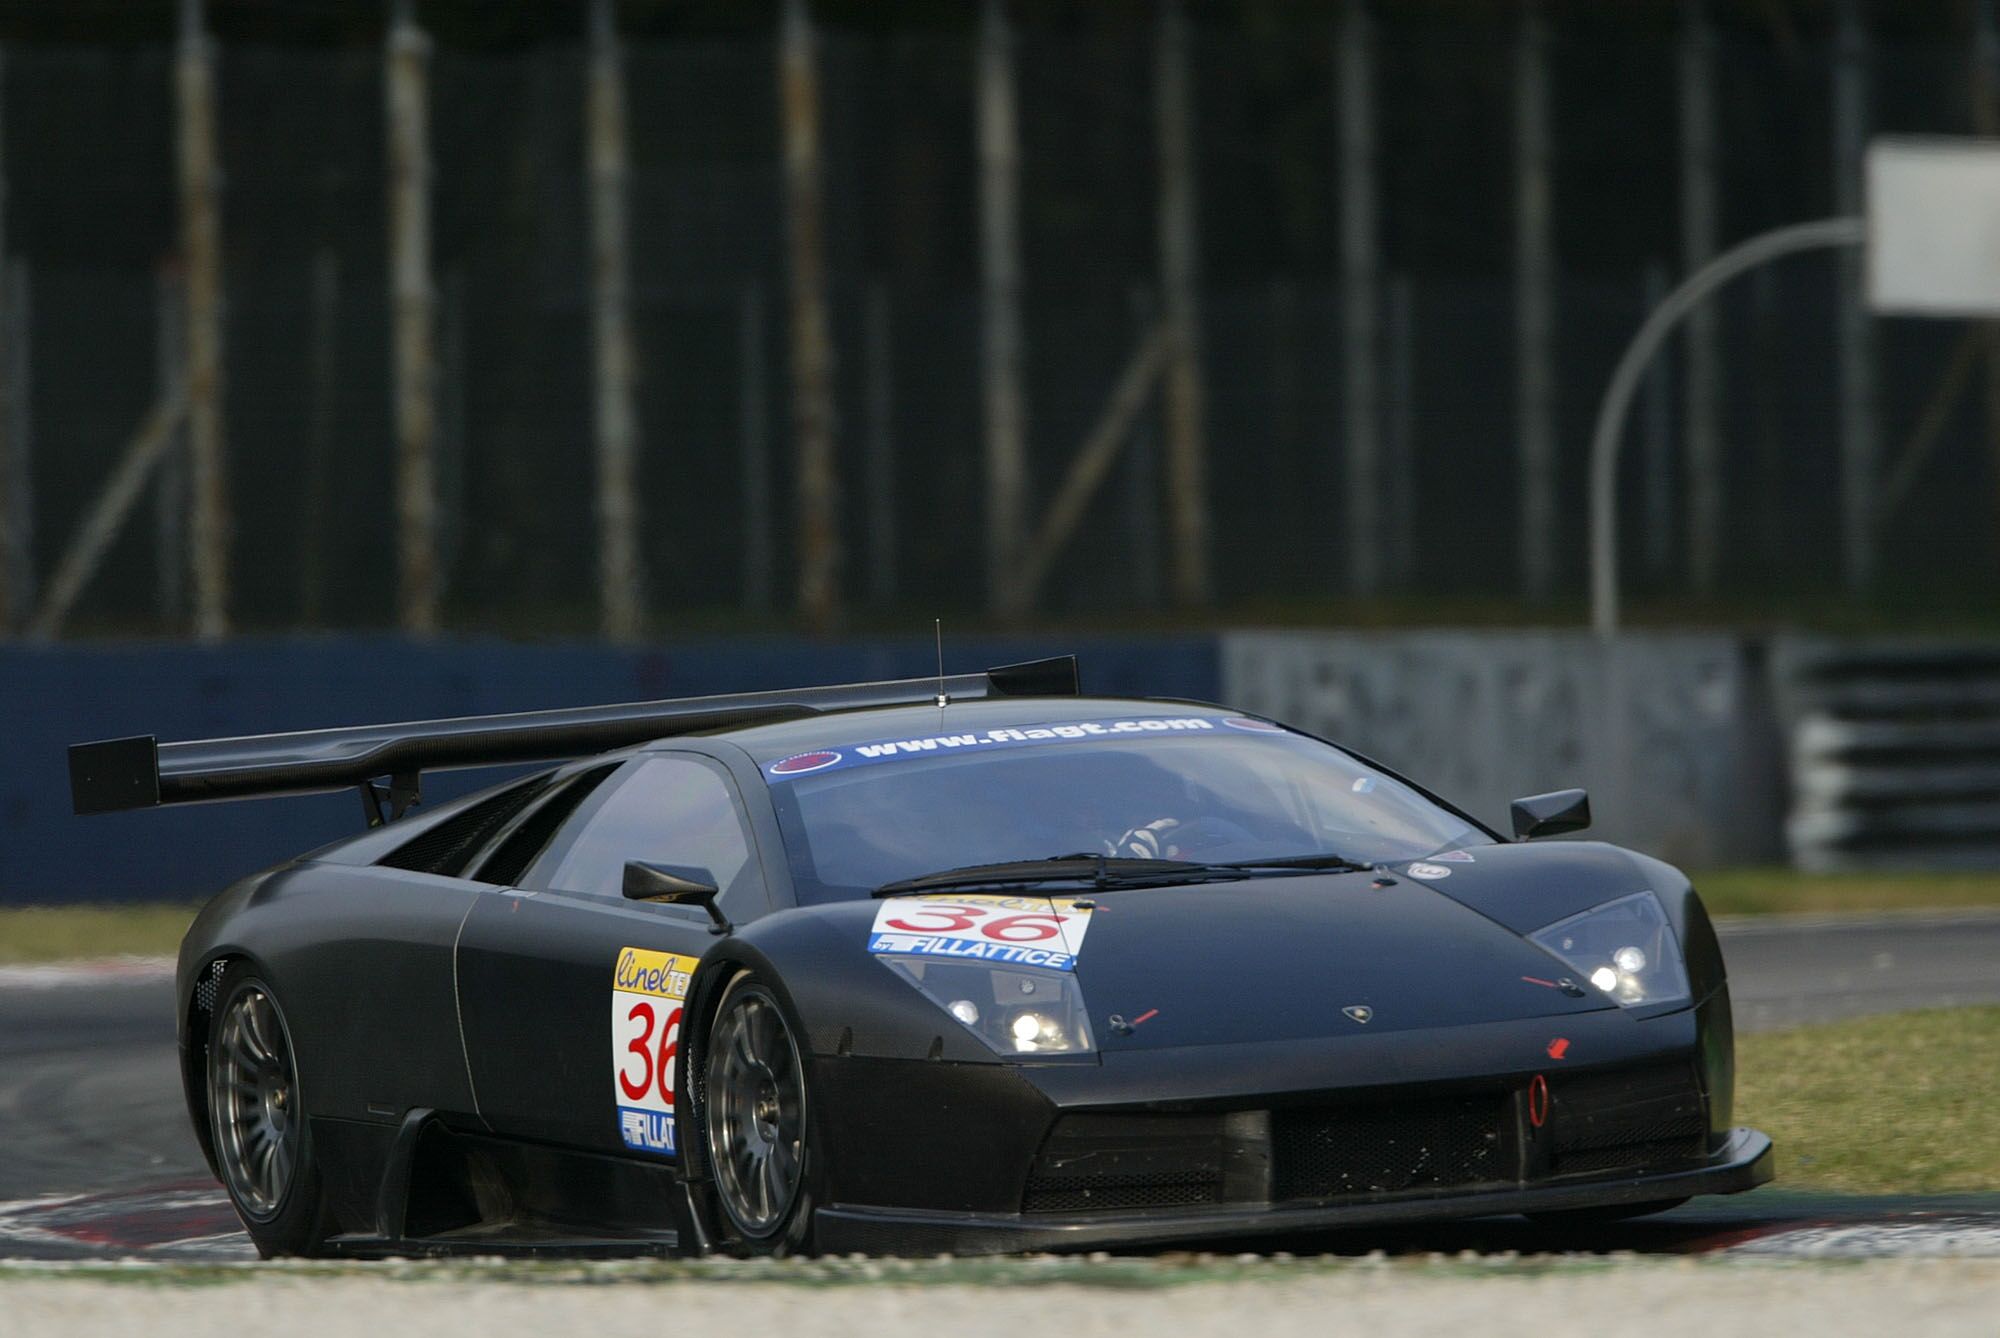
pixel 142 772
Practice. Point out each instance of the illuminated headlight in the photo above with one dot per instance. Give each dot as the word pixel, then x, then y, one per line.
pixel 1015 1010
pixel 1625 948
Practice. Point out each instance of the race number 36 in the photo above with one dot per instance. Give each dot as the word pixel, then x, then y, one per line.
pixel 648 990
pixel 1015 930
pixel 976 922
pixel 648 1071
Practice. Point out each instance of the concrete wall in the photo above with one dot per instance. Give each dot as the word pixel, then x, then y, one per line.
pixel 1673 734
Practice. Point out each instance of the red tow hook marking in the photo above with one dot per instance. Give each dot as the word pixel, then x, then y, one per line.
pixel 1558 1047
pixel 1538 1101
pixel 1146 1016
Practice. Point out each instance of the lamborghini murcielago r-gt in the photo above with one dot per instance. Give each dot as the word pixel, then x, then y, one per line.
pixel 966 964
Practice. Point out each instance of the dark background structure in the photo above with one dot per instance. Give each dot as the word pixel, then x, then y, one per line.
pixel 93 240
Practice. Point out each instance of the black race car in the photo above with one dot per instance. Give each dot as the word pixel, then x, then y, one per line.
pixel 968 964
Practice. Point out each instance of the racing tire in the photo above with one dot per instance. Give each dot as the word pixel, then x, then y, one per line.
pixel 257 1119
pixel 755 1121
pixel 1610 1212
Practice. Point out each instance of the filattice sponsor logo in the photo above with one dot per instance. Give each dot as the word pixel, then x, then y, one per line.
pixel 1013 954
pixel 646 1130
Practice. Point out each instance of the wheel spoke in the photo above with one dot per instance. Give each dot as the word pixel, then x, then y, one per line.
pixel 785 1159
pixel 281 1176
pixel 764 1026
pixel 253 1029
pixel 774 1185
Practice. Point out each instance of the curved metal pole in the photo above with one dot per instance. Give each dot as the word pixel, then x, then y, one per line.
pixel 1609 433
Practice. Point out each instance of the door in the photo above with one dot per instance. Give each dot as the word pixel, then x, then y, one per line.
pixel 569 994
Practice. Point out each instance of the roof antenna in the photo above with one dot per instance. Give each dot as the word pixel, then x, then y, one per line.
pixel 937 625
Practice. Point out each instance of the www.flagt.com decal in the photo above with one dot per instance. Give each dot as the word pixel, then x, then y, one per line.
pixel 1069 731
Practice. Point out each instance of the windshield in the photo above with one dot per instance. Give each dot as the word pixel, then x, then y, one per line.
pixel 857 817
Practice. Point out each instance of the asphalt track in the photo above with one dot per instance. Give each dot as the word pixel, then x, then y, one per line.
pixel 97 1162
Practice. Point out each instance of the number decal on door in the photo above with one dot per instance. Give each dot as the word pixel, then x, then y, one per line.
pixel 647 991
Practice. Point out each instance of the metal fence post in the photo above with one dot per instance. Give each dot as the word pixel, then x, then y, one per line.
pixel 1000 312
pixel 170 489
pixel 818 483
pixel 201 249
pixel 17 370
pixel 412 301
pixel 1400 482
pixel 1142 475
pixel 1855 327
pixel 321 398
pixel 1698 237
pixel 1656 416
pixel 1986 121
pixel 619 571
pixel 1361 302
pixel 12 479
pixel 753 425
pixel 878 354
pixel 1187 464
pixel 1534 277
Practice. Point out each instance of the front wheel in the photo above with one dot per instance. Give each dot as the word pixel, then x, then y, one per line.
pixel 754 1122
pixel 263 1143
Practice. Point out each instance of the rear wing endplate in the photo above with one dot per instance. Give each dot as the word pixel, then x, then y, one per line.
pixel 141 772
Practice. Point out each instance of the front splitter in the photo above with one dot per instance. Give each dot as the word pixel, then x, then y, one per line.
pixel 1743 1162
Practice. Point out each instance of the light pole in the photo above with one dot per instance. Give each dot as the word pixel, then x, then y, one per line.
pixel 1609 433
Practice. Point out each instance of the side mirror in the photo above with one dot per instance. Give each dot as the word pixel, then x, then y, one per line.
pixel 1550 814
pixel 665 883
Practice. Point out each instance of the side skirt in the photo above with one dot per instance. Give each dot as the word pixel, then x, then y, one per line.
pixel 443 1191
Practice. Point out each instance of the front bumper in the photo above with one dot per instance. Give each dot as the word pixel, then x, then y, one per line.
pixel 1742 1162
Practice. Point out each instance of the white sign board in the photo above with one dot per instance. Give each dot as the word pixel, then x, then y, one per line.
pixel 1934 227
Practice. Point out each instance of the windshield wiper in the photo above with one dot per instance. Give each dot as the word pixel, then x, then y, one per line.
pixel 1098 871
pixel 1105 873
pixel 1304 863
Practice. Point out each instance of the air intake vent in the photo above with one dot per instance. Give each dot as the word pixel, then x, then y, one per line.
pixel 445 848
pixel 1361 1150
pixel 1637 1117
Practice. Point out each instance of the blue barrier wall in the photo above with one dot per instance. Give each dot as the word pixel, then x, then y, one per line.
pixel 51 697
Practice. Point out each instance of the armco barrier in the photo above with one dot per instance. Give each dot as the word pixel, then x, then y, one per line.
pixel 51 697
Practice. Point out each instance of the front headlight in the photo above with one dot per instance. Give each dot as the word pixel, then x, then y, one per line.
pixel 1625 948
pixel 1018 1011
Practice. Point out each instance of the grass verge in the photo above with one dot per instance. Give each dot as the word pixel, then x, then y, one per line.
pixel 1780 891
pixel 65 933
pixel 1905 1103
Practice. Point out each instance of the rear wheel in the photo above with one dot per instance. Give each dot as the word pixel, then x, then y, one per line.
pixel 263 1143
pixel 1610 1212
pixel 754 1122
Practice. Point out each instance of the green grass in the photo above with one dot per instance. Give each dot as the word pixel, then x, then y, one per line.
pixel 1777 891
pixel 1904 1103
pixel 64 933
